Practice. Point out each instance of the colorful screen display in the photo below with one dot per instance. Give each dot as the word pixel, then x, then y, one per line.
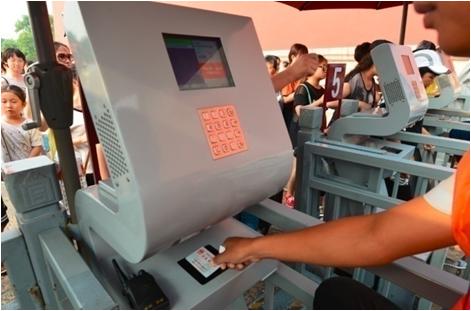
pixel 198 62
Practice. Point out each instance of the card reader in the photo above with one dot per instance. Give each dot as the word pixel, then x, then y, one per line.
pixel 200 266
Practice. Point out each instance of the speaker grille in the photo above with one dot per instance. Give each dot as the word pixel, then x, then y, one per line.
pixel 394 92
pixel 109 138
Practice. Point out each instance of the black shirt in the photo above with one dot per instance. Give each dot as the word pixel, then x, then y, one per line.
pixel 301 96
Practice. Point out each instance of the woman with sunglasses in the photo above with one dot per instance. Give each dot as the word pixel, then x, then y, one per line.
pixel 287 92
pixel 307 93
pixel 63 55
pixel 79 136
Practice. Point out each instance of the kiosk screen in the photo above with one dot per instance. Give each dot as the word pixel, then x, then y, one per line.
pixel 407 64
pixel 198 62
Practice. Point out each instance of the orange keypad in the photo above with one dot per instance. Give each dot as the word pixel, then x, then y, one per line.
pixel 223 132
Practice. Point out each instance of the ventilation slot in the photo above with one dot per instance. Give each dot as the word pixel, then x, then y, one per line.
pixel 109 139
pixel 394 92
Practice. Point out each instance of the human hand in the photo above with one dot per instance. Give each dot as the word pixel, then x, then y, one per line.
pixel 237 255
pixel 429 147
pixel 304 65
pixel 80 140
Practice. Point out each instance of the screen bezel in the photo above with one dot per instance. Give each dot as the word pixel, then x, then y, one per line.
pixel 222 54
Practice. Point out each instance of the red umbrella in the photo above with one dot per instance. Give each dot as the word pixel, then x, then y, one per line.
pixel 375 5
pixel 319 5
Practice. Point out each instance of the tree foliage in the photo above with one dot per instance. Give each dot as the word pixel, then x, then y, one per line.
pixel 25 41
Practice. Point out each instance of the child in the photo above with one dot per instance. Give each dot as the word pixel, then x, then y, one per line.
pixel 307 93
pixel 287 92
pixel 273 64
pixel 17 143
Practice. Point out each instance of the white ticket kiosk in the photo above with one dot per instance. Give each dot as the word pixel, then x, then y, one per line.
pixel 406 102
pixel 184 109
pixel 403 91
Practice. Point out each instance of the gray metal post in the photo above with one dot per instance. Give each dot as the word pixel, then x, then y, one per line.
pixel 35 193
pixel 55 98
pixel 75 286
pixel 65 151
pixel 310 122
pixel 20 272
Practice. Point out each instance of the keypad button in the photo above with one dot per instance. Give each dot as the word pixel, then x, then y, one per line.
pixel 222 137
pixel 210 127
pixel 206 116
pixel 225 148
pixel 216 150
pixel 223 132
pixel 234 123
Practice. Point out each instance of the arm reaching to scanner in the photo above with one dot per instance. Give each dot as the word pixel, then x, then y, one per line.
pixel 410 228
pixel 303 66
pixel 407 229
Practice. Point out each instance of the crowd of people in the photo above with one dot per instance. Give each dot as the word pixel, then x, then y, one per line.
pixel 18 143
pixel 360 84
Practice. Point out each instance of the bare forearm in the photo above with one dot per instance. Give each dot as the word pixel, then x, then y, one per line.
pixel 364 240
pixel 288 98
pixel 79 140
pixel 283 78
pixel 332 244
pixel 316 103
pixel 304 65
pixel 35 151
pixel 363 106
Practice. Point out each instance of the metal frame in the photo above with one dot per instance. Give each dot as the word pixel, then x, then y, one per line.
pixel 429 282
pixel 16 258
pixel 76 286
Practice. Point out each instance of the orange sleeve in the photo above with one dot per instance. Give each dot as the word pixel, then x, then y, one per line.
pixel 460 215
pixel 288 89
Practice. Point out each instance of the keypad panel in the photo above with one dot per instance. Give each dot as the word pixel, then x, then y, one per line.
pixel 223 131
